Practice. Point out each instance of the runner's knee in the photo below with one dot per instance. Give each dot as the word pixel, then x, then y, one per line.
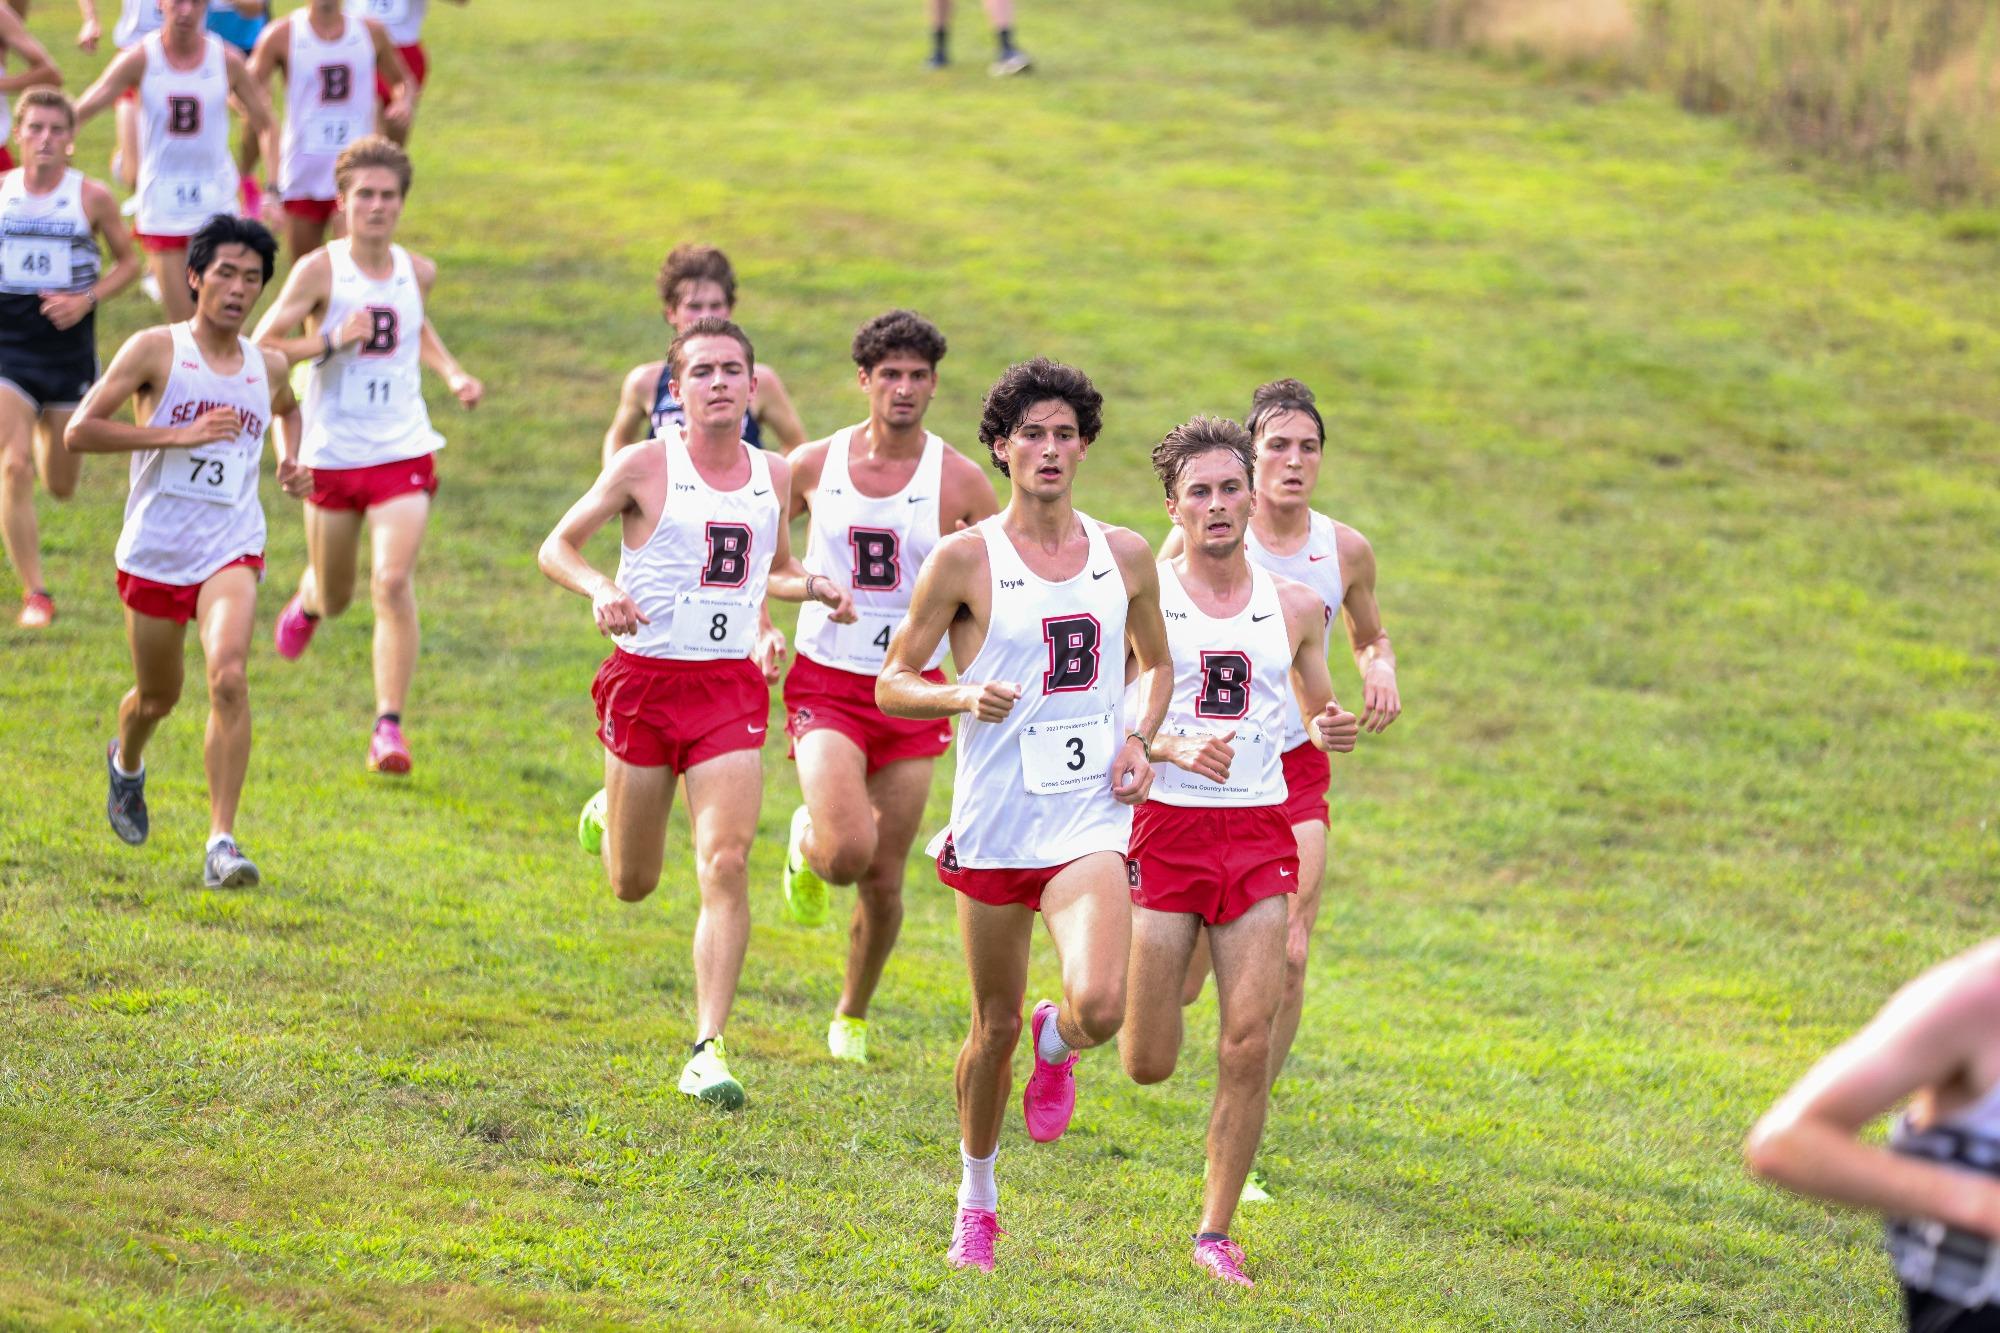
pixel 724 868
pixel 1147 1062
pixel 1098 1008
pixel 1244 1051
pixel 632 885
pixel 390 585
pixel 228 686
pixel 996 1027
pixel 849 857
pixel 16 468
pixel 60 487
pixel 156 701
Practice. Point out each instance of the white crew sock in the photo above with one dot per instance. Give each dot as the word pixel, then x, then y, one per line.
pixel 975 1184
pixel 1050 1045
pixel 118 762
pixel 217 839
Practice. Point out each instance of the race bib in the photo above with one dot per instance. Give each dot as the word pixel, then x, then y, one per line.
pixel 865 643
pixel 39 261
pixel 213 475
pixel 1247 767
pixel 709 626
pixel 1067 756
pixel 328 133
pixel 390 12
pixel 183 203
pixel 372 390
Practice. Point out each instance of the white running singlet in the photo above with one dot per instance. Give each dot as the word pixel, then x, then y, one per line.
pixel 192 511
pixel 329 103
pixel 186 173
pixel 136 19
pixel 1317 565
pixel 1034 789
pixel 365 405
pixel 403 18
pixel 700 577
pixel 1233 674
pixel 874 546
pixel 46 240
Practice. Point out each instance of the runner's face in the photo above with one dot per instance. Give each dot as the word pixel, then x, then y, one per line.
pixel 698 300
pixel 227 290
pixel 45 136
pixel 1213 502
pixel 899 388
pixel 372 203
pixel 1288 458
pixel 1042 453
pixel 185 17
pixel 715 381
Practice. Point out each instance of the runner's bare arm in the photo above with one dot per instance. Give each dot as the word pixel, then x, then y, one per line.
pixel 142 363
pixel 943 590
pixel 561 554
pixel 1928 1035
pixel 968 493
pixel 89 31
pixel 430 344
pixel 250 95
pixel 774 410
pixel 1381 703
pixel 300 305
pixel 806 461
pixel 402 105
pixel 269 55
pixel 15 39
pixel 1331 726
pixel 123 72
pixel 1176 542
pixel 789 581
pixel 632 422
pixel 287 432
pixel 1146 633
pixel 66 310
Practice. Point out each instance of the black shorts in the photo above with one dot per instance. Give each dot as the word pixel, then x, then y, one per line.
pixel 50 367
pixel 1929 1314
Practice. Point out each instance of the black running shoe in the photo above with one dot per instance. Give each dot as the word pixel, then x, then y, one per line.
pixel 126 804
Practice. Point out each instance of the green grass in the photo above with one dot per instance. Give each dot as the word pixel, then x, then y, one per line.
pixel 1681 470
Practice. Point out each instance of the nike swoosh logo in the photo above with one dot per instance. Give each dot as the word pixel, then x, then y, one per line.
pixel 917 499
pixel 756 731
pixel 1099 574
pixel 762 492
pixel 1314 559
pixel 1284 874
pixel 1266 616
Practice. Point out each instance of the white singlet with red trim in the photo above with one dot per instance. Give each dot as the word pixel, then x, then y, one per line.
pixel 874 545
pixel 403 18
pixel 1034 789
pixel 1231 674
pixel 1317 565
pixel 700 577
pixel 136 19
pixel 365 405
pixel 192 511
pixel 186 173
pixel 329 103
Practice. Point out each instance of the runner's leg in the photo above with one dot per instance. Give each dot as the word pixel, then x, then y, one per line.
pixel 59 467
pixel 724 794
pixel 170 271
pixel 125 157
pixel 1248 983
pixel 17 489
pixel 637 802
pixel 898 792
pixel 996 940
pixel 833 777
pixel 1150 1041
pixel 1088 911
pixel 397 531
pixel 157 672
pixel 333 544
pixel 1311 837
pixel 226 615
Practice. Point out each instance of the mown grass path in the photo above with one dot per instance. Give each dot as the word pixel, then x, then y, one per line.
pixel 1681 470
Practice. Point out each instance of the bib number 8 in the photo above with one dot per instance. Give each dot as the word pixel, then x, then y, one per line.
pixel 718 627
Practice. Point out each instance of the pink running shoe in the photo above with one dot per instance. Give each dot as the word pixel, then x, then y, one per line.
pixel 387 753
pixel 293 631
pixel 972 1239
pixel 1049 1100
pixel 1223 1259
pixel 38 611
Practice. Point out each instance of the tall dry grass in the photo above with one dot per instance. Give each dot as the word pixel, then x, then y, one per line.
pixel 1902 85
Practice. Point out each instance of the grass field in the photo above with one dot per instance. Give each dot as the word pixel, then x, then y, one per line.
pixel 1681 469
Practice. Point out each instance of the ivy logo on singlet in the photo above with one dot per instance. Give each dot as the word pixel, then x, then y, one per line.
pixel 183 115
pixel 336 83
pixel 1177 615
pixel 1013 583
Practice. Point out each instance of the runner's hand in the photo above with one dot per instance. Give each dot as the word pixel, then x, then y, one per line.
pixel 769 654
pixel 468 390
pixel 616 613
pixel 1204 756
pixel 357 328
pixel 838 601
pixel 1380 703
pixel 1335 729
pixel 1131 773
pixel 993 700
pixel 211 427
pixel 66 310
pixel 295 478
pixel 87 35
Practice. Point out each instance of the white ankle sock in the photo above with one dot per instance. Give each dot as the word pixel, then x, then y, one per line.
pixel 975 1183
pixel 118 762
pixel 1050 1045
pixel 216 839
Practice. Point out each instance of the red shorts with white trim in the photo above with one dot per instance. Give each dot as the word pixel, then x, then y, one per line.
pixel 823 698
pixel 1308 777
pixel 175 601
pixel 656 712
pixel 1004 886
pixel 313 210
pixel 413 56
pixel 159 244
pixel 362 488
pixel 1214 862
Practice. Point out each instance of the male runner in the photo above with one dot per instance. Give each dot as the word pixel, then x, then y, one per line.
pixel 405 21
pixel 1212 846
pixel 1936 1044
pixel 184 79
pixel 881 495
pixel 137 20
pixel 1290 539
pixel 329 59
pixel 241 23
pixel 15 39
pixel 1042 604
pixel 702 517
pixel 193 543
pixel 1008 58
pixel 697 282
pixel 368 446
pixel 50 286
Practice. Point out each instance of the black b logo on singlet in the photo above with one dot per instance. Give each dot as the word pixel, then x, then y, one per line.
pixel 336 83
pixel 1073 642
pixel 183 115
pixel 382 333
pixel 728 556
pixel 875 564
pixel 1225 685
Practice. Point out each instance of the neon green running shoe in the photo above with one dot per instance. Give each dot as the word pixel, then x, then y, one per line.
pixel 590 824
pixel 706 1078
pixel 847 1038
pixel 805 892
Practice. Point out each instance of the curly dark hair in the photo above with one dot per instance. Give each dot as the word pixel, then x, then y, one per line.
pixel 1038 381
pixel 705 327
pixel 1279 397
pixel 687 264
pixel 898 331
pixel 1195 437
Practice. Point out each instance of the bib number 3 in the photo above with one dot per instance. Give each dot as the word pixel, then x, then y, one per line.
pixel 1067 756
